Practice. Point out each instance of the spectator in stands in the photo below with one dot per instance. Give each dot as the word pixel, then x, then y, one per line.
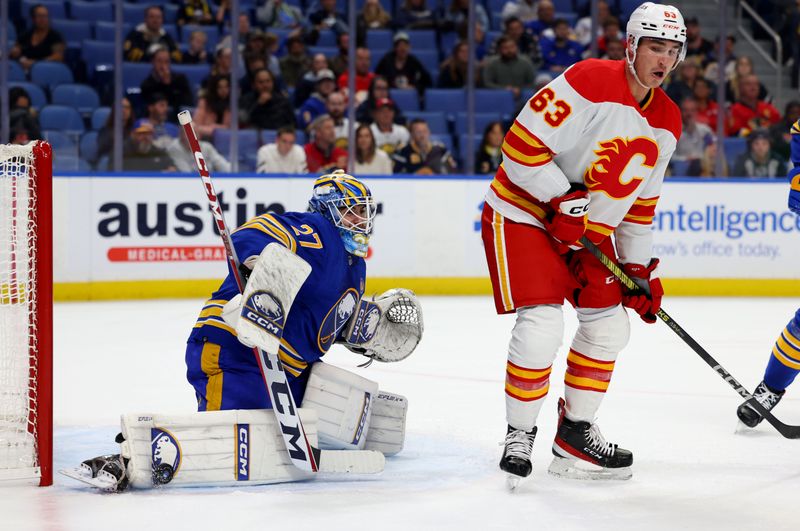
pixel 195 12
pixel 457 14
pixel 197 52
pixel 526 44
pixel 279 15
pixel 780 134
pixel 611 32
pixel 182 156
pixel 583 28
pixel 482 44
pixel 421 155
pixel 791 31
pixel 415 14
pixel 749 113
pixel 223 14
pixel 373 16
pixel 105 136
pixel 23 122
pixel 296 62
pixel 306 86
pixel 162 79
pixel 315 105
pixel 615 51
pixel 508 70
pixel 453 71
pixel 369 159
pixel 323 16
pixel 759 160
pixel 712 67
pixel 141 154
pixel 322 155
pixel 213 107
pixel 157 109
pixel 336 106
pixel 489 155
pixel 245 33
pixel 389 136
pixel 363 75
pixel 525 10
pixel 682 86
pixel 560 52
pixel 706 103
pixel 708 164
pixel 40 42
pixel 696 45
pixel 147 38
pixel 378 90
pixel 265 107
pixel 283 156
pixel 264 44
pixel 694 139
pixel 545 20
pixel 743 67
pixel 401 68
pixel 339 62
pixel 252 64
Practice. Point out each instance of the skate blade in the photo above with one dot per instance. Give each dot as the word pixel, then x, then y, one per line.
pixel 512 482
pixel 578 469
pixel 106 483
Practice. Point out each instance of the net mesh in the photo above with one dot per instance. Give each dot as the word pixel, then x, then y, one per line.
pixel 18 325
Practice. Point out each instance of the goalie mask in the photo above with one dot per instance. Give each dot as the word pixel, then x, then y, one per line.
pixel 348 204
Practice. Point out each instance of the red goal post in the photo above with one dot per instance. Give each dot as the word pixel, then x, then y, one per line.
pixel 26 314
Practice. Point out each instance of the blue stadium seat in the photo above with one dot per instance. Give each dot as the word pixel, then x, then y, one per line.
pixel 15 71
pixel 437 123
pixel 379 39
pixel 37 95
pixel 499 100
pixel 60 142
pixel 497 5
pixel 482 119
pixel 268 136
pixel 91 11
pixel 405 99
pixel 100 117
pixel 12 35
pixel 445 100
pixel 447 140
pixel 570 17
pixel 376 54
pixel 133 74
pixel 97 54
pixel 195 73
pixel 171 13
pixel 422 40
pixel 248 145
pixel 327 38
pixel 565 6
pixel 73 31
pixel 88 146
pixel 105 31
pixel 733 147
pixel 464 145
pixel 211 32
pixel 429 59
pixel 680 168
pixel 327 51
pixel 50 74
pixel 55 8
pixel 61 118
pixel 133 13
pixel 449 41
pixel 82 98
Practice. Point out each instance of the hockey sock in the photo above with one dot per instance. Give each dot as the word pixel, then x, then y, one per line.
pixel 784 364
pixel 586 382
pixel 526 389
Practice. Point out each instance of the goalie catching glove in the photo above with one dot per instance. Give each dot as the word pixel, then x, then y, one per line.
pixel 387 327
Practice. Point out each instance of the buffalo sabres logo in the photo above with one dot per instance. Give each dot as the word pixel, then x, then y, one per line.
pixel 266 311
pixel 166 454
pixel 615 172
pixel 336 318
pixel 370 324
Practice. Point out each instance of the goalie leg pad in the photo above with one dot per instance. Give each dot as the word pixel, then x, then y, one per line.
pixel 215 448
pixel 343 402
pixel 387 429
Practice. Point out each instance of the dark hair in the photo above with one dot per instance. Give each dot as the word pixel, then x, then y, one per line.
pixel 155 97
pixel 486 131
pixel 375 80
pixel 217 105
pixel 16 93
pixel 360 157
pixel 416 121
pixel 793 103
pixel 33 9
pixel 270 74
pixel 151 7
pixel 286 130
pixel 502 39
pixel 562 22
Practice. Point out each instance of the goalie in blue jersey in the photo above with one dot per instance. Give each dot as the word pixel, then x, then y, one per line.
pixel 784 363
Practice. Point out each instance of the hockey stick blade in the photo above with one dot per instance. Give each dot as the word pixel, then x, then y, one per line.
pixel 787 430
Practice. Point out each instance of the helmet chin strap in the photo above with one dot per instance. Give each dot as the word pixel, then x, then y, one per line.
pixel 632 69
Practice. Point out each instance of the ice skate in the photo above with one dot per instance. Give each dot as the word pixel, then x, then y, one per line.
pixel 766 397
pixel 581 452
pixel 106 472
pixel 516 460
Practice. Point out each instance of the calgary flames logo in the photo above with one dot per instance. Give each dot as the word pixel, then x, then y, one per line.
pixel 612 172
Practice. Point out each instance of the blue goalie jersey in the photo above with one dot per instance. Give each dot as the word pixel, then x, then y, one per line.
pixel 215 358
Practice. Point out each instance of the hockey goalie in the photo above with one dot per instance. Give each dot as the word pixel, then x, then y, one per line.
pixel 311 263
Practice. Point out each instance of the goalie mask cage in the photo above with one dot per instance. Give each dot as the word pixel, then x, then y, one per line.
pixel 26 309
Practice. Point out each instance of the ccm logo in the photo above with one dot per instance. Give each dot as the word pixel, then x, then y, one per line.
pixel 267 325
pixel 243 452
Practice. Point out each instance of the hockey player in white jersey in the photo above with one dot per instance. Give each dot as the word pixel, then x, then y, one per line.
pixel 585 157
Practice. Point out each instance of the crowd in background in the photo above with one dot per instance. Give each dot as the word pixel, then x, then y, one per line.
pixel 293 91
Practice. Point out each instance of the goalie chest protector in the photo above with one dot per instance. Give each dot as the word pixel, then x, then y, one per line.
pixel 322 306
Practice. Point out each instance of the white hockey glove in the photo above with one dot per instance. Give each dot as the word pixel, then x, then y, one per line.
pixel 386 328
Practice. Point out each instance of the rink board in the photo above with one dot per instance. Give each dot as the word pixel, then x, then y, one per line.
pixel 134 236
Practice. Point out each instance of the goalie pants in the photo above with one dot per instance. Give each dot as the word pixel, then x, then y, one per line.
pixel 227 377
pixel 531 278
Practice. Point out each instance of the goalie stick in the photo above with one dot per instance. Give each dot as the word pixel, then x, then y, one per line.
pixel 787 430
pixel 302 454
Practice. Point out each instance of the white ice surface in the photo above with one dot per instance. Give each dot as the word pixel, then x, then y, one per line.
pixel 691 471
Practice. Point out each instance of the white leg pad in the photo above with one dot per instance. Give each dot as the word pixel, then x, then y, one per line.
pixel 387 429
pixel 343 402
pixel 214 448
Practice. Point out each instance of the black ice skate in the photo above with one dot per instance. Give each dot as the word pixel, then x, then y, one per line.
pixel 106 472
pixel 766 397
pixel 581 452
pixel 516 460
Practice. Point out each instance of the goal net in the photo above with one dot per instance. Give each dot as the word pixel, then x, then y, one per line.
pixel 26 313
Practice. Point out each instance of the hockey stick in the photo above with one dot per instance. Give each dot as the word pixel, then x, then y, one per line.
pixel 302 454
pixel 787 430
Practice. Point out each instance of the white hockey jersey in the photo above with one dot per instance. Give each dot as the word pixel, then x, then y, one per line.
pixel 585 127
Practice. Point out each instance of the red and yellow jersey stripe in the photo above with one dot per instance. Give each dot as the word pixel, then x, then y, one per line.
pixel 525 148
pixel 642 211
pixel 518 197
pixel 587 373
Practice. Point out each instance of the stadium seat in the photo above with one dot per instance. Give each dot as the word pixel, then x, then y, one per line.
pixel 379 39
pixel 449 41
pixel 562 6
pixel 248 145
pixel 482 119
pixel 55 8
pixel 327 51
pixel 437 123
pixel 15 71
pixel 61 118
pixel 50 74
pixel 88 146
pixel 133 13
pixel 268 136
pixel 447 140
pixel 195 73
pixel 105 31
pixel 406 99
pixel 464 145
pixel 680 168
pixel 429 59
pixel 327 38
pixel 73 31
pixel 445 100
pixel 12 35
pixel 91 11
pixel 422 40
pixel 100 117
pixel 497 5
pixel 60 141
pixel 133 74
pixel 171 12
pixel 499 100
pixel 82 98
pixel 733 147
pixel 37 95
